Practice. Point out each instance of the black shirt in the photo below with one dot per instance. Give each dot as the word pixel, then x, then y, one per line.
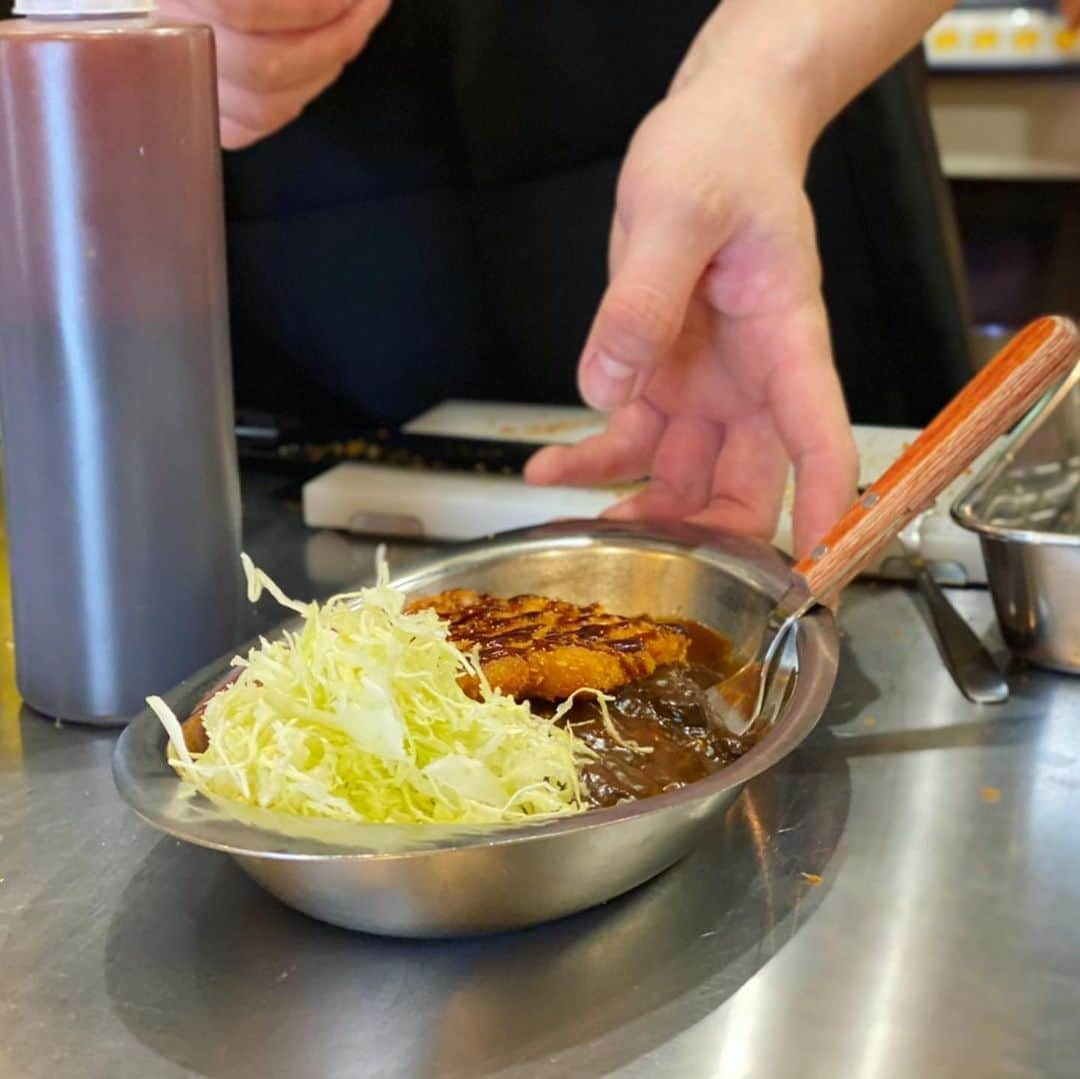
pixel 436 223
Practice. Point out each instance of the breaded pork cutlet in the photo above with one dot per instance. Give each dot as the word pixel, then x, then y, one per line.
pixel 545 649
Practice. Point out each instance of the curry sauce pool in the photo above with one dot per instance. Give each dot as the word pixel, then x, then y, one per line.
pixel 665 714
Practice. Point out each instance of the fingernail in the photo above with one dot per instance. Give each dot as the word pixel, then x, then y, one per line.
pixel 607 383
pixel 614 369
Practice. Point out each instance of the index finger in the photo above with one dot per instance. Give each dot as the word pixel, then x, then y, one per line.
pixel 643 308
pixel 803 394
pixel 266 16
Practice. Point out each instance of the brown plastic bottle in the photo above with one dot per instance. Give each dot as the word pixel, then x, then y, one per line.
pixel 116 410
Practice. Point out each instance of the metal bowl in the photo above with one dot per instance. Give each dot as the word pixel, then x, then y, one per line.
pixel 426 881
pixel 1025 508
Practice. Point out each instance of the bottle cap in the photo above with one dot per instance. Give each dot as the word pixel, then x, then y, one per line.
pixel 83 7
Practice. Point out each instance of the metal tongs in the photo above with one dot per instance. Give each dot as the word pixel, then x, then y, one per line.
pixel 965 656
pixel 999 395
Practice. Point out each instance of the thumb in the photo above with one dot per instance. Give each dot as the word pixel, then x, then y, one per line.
pixel 642 312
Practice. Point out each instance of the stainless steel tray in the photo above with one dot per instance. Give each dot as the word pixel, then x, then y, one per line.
pixel 425 881
pixel 1025 508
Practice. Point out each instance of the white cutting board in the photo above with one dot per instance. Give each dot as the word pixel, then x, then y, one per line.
pixel 459 506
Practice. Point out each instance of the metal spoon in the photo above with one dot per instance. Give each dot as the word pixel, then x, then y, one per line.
pixel 990 403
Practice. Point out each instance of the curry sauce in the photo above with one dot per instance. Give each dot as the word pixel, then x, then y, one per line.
pixel 665 715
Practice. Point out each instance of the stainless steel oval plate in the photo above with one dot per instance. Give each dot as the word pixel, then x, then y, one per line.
pixel 423 881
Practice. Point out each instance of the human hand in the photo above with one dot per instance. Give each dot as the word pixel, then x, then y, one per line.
pixel 711 346
pixel 276 56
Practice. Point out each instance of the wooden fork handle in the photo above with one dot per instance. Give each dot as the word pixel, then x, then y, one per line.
pixel 999 395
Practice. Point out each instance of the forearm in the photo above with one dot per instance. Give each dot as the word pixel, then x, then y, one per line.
pixel 813 56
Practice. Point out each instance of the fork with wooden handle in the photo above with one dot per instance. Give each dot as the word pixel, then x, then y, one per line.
pixel 986 408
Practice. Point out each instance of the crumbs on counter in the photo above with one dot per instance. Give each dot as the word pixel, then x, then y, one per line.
pixel 813 879
pixel 869 721
pixel 545 430
pixel 990 795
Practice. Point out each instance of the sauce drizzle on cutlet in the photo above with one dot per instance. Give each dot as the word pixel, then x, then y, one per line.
pixel 540 648
pixel 498 629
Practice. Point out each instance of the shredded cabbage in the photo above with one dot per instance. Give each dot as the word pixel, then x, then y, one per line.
pixel 359 715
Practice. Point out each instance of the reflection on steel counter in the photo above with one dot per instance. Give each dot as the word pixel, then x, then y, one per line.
pixel 10 734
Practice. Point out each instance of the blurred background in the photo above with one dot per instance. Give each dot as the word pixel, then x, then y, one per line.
pixel 1004 98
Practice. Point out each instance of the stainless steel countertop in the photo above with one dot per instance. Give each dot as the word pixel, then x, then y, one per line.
pixel 899 898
